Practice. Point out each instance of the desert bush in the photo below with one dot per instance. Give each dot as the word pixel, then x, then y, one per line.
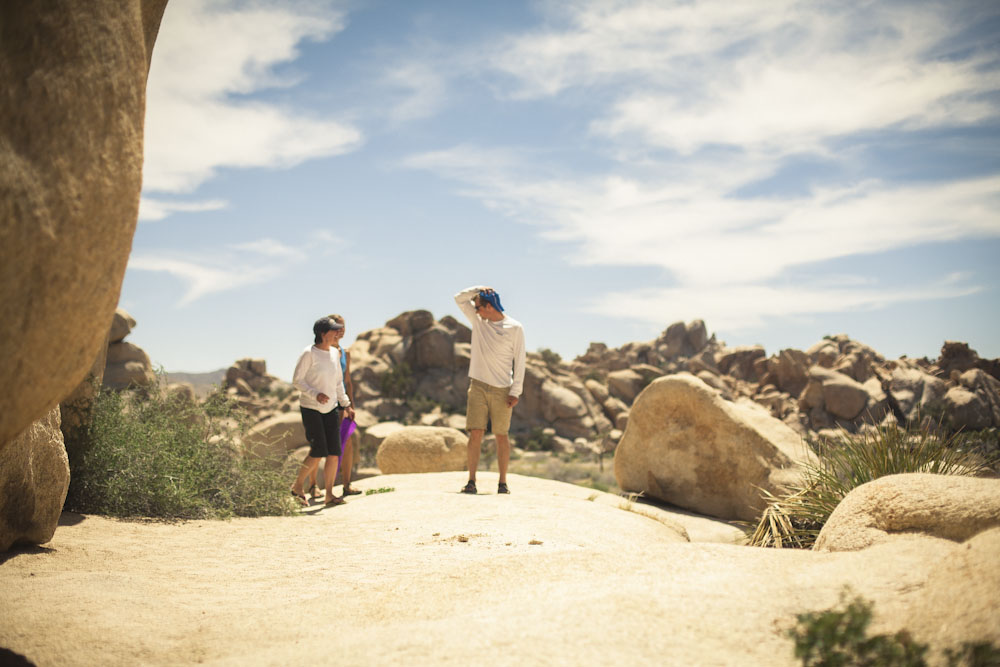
pixel 398 381
pixel 839 637
pixel 795 519
pixel 537 440
pixel 551 359
pixel 150 455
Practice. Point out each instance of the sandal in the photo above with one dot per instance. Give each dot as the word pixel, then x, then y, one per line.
pixel 301 498
pixel 314 492
pixel 333 503
pixel 348 491
pixel 502 488
pixel 470 488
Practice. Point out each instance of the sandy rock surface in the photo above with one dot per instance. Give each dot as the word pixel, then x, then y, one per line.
pixel 552 574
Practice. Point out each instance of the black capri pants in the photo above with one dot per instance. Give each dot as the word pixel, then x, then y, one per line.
pixel 322 432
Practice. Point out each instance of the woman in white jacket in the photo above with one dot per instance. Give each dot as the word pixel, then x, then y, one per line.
pixel 320 381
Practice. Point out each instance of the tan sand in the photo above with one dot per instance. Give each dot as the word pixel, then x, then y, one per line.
pixel 552 574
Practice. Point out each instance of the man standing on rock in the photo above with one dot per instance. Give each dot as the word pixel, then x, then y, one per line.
pixel 497 376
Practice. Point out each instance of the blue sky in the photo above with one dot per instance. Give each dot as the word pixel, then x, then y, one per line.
pixel 783 170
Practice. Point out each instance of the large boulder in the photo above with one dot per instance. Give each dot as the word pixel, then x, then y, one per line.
pixel 958 602
pixel 625 384
pixel 915 391
pixel 686 445
pixel 127 365
pixel 72 108
pixel 422 449
pixel 950 507
pixel 276 436
pixel 34 479
pixel 966 409
pixel 121 326
pixel 843 396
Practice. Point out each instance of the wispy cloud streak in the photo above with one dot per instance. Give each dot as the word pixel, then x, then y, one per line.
pixel 209 57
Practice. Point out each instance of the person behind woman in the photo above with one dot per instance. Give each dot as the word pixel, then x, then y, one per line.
pixel 320 381
pixel 348 448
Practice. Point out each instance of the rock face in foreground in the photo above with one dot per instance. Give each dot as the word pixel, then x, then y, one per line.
pixel 422 449
pixel 688 446
pixel 34 479
pixel 72 108
pixel 951 507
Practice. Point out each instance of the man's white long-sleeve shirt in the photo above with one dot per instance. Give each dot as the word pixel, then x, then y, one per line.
pixel 318 372
pixel 497 347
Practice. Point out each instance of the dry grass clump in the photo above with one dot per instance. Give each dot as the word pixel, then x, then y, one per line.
pixel 846 462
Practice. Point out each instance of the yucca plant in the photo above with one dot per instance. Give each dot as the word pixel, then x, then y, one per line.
pixel 850 460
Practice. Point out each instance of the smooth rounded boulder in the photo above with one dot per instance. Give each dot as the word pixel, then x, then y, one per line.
pixel 686 445
pixel 72 108
pixel 422 449
pixel 34 479
pixel 910 505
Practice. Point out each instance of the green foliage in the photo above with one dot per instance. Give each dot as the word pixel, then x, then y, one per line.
pixel 551 359
pixel 382 489
pixel 849 461
pixel 973 654
pixel 398 382
pixel 840 637
pixel 538 441
pixel 151 455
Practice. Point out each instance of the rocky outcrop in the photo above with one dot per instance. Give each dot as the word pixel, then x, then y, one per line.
pixel 958 600
pixel 71 120
pixel 688 446
pixel 950 507
pixel 423 449
pixel 34 479
pixel 274 437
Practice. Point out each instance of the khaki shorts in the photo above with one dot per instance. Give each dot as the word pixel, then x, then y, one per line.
pixel 487 402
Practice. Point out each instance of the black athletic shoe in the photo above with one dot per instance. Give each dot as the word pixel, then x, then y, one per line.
pixel 502 488
pixel 470 488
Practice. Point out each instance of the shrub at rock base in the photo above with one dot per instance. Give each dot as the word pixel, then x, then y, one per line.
pixel 152 456
pixel 422 449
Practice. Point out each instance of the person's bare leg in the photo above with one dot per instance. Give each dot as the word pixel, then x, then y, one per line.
pixel 475 441
pixel 308 466
pixel 329 473
pixel 503 456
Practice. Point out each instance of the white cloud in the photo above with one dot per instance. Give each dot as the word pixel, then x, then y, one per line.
pixel 421 87
pixel 780 77
pixel 734 92
pixel 271 248
pixel 742 307
pixel 151 209
pixel 203 278
pixel 208 56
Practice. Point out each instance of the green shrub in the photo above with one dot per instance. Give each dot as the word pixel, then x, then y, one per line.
pixel 839 637
pixel 398 381
pixel 538 441
pixel 150 455
pixel 849 461
pixel 381 489
pixel 551 359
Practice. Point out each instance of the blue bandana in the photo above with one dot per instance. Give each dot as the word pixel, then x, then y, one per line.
pixel 492 299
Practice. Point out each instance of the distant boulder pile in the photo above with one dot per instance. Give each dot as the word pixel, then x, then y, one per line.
pixel 127 365
pixel 414 371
